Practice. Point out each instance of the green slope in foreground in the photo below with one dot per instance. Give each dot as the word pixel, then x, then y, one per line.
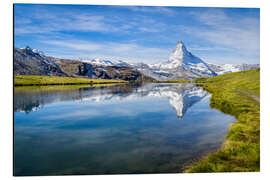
pixel 27 80
pixel 237 94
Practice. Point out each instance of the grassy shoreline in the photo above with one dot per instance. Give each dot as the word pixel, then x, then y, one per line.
pixel 32 80
pixel 236 94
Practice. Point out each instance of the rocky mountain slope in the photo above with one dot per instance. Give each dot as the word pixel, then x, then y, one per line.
pixel 79 68
pixel 29 61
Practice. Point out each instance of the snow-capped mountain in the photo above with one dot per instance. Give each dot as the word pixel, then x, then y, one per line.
pixel 181 65
pixel 107 62
pixel 181 57
pixel 29 61
pixel 227 68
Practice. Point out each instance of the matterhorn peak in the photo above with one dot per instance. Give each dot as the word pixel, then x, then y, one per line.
pixel 187 63
pixel 180 47
pixel 180 43
pixel 178 53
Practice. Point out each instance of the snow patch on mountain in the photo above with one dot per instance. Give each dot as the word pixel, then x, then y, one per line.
pixel 227 68
pixel 34 62
pixel 38 52
pixel 107 62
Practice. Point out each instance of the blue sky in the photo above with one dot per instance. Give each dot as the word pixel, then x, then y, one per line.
pixel 139 33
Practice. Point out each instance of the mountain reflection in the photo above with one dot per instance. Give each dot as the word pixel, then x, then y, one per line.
pixel 180 96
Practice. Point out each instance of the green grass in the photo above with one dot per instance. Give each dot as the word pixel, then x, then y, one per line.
pixel 236 94
pixel 29 80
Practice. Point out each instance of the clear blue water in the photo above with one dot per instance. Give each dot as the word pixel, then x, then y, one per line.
pixel 155 128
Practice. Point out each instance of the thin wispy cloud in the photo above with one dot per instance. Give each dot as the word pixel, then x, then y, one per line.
pixel 239 35
pixel 139 33
pixel 67 23
pixel 231 31
pixel 124 51
pixel 209 48
pixel 159 10
pixel 85 22
pixel 76 45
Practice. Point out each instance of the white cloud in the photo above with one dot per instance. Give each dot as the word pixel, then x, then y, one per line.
pixel 127 51
pixel 239 35
pixel 76 45
pixel 242 33
pixel 77 23
pixel 162 10
pixel 229 59
pixel 79 114
pixel 204 48
pixel 212 17
pixel 46 21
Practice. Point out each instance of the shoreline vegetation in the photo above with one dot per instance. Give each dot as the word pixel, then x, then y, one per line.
pixel 236 94
pixel 33 80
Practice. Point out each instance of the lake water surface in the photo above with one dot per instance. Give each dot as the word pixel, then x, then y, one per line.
pixel 154 128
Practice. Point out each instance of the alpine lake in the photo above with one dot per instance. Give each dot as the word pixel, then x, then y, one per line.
pixel 119 129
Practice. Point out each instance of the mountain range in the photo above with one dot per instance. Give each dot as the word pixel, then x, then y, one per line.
pixel 181 64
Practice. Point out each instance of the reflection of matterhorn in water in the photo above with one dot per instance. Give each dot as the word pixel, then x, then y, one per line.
pixel 180 96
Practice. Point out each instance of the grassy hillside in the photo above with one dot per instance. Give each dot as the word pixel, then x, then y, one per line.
pixel 237 94
pixel 27 80
pixel 69 67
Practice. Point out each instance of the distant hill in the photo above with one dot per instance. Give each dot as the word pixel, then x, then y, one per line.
pixel 32 62
pixel 29 61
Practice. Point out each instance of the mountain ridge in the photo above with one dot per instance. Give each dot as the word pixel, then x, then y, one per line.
pixel 32 62
pixel 181 64
pixel 169 70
